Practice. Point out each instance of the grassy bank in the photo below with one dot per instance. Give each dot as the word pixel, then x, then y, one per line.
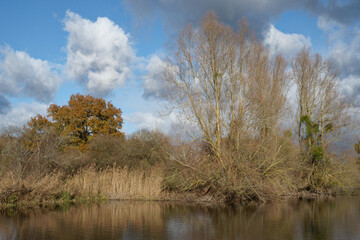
pixel 86 185
pixel 58 190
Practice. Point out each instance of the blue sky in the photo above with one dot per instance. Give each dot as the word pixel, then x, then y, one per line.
pixel 114 49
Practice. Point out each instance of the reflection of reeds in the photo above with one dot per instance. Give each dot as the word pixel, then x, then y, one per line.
pixel 103 221
pixel 316 219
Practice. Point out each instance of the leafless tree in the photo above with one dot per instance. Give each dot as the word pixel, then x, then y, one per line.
pixel 226 83
pixel 318 97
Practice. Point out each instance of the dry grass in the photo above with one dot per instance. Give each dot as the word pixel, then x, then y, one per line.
pixel 262 171
pixel 31 191
pixel 117 183
pixel 88 183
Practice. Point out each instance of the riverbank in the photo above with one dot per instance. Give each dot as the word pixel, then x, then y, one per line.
pixel 86 185
pixel 89 185
pixel 148 166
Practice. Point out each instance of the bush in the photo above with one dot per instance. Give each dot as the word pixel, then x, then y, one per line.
pixel 146 148
pixel 105 150
pixel 142 149
pixel 25 154
pixel 261 170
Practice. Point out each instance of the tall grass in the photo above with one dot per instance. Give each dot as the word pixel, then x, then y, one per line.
pixel 116 183
pixel 88 183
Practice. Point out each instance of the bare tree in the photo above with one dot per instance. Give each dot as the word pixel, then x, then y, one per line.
pixel 226 83
pixel 202 61
pixel 267 88
pixel 322 111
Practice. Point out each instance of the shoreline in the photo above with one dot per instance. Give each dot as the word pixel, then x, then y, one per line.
pixel 24 207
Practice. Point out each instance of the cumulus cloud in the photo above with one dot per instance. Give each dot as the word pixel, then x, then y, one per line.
pixel 346 12
pixel 350 86
pixel 344 45
pixel 24 76
pixel 4 104
pixel 99 54
pixel 177 13
pixel 344 51
pixel 286 44
pixel 151 121
pixel 153 79
pixel 21 114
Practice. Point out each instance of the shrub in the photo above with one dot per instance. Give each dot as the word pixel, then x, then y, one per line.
pixel 147 148
pixel 105 150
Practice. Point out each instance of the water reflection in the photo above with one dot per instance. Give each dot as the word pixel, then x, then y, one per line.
pixel 318 219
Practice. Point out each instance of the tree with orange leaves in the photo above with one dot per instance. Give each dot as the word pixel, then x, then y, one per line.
pixel 36 129
pixel 83 117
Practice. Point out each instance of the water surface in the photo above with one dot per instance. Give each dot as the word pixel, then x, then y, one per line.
pixel 337 218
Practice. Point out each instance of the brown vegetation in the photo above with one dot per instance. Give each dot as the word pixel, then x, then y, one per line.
pixel 231 91
pixel 48 174
pixel 57 189
pixel 235 95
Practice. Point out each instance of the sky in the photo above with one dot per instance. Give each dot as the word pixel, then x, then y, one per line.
pixel 114 49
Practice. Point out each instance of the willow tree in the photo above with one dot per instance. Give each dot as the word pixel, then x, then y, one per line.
pixel 209 80
pixel 322 112
pixel 268 84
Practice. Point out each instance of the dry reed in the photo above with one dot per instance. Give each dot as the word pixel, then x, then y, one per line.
pixel 88 183
pixel 116 183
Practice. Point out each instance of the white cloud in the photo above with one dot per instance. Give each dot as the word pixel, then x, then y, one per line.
pixel 153 79
pixel 150 121
pixel 350 86
pixel 344 51
pixel 332 28
pixel 344 45
pixel 99 54
pixel 24 76
pixel 286 44
pixel 20 115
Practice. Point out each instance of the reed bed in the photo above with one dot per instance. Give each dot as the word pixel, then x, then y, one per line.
pixel 116 183
pixel 113 183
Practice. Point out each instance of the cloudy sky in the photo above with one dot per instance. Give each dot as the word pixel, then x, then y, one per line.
pixel 114 49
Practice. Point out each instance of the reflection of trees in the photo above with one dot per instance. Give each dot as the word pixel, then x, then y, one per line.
pixel 332 219
pixel 104 221
pixel 316 219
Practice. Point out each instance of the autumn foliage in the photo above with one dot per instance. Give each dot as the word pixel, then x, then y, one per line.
pixel 80 120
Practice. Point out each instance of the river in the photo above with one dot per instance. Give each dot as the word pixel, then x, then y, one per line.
pixel 337 218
